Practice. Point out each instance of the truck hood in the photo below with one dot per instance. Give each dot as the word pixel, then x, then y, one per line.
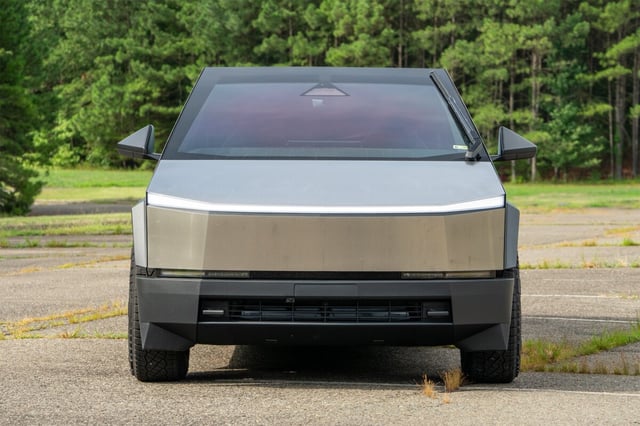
pixel 325 187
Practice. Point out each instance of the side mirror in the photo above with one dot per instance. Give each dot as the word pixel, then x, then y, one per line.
pixel 139 144
pixel 512 146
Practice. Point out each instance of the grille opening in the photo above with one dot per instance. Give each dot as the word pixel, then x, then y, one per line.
pixel 349 311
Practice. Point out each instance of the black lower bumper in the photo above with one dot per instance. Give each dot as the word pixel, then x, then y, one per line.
pixel 176 313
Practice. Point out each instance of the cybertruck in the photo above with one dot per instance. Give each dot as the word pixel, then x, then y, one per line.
pixel 325 206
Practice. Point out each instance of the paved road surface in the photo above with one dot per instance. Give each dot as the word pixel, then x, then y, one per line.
pixel 79 381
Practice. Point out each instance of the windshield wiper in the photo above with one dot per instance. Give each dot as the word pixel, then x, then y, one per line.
pixel 473 153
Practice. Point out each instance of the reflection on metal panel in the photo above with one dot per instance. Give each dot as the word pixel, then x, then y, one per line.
pixel 180 239
pixel 139 234
pixel 326 186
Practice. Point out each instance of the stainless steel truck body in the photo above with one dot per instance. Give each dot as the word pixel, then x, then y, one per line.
pixel 325 206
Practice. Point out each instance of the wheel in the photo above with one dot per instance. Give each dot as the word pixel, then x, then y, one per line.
pixel 150 365
pixel 498 366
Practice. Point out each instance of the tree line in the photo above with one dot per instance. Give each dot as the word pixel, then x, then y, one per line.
pixel 76 76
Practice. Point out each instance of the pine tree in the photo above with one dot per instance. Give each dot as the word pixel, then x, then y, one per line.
pixel 18 186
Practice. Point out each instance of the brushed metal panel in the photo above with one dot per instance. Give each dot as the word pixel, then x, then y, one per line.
pixel 181 239
pixel 139 234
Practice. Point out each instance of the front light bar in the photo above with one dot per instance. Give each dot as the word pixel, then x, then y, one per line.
pixel 239 275
pixel 177 273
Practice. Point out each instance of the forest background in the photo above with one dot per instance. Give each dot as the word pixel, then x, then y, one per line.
pixel 76 76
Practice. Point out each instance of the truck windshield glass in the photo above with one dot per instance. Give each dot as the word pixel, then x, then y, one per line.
pixel 318 121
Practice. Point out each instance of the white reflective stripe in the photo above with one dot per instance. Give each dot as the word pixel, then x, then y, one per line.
pixel 159 200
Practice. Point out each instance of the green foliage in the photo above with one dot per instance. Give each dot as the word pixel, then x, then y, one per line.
pixel 559 71
pixel 567 143
pixel 18 184
pixel 361 36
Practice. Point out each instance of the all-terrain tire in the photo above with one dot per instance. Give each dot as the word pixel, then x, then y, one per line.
pixel 498 366
pixel 150 365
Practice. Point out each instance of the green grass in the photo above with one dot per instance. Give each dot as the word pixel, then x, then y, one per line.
pixel 98 195
pixel 33 243
pixel 81 334
pixel 542 355
pixel 94 185
pixel 40 226
pixel 549 196
pixel 96 178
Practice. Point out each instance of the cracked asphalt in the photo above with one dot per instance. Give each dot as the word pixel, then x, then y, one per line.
pixel 55 380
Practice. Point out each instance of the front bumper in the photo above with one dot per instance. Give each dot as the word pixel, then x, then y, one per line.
pixel 175 313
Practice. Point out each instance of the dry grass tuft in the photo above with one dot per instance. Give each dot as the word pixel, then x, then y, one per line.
pixel 600 368
pixel 74 334
pixel 429 387
pixel 537 355
pixel 453 379
pixel 93 262
pixel 624 366
pixel 584 367
pixel 623 230
pixel 24 328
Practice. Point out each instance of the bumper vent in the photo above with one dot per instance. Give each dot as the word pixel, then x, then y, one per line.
pixel 354 311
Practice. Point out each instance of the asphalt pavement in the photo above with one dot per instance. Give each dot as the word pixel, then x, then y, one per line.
pixel 54 380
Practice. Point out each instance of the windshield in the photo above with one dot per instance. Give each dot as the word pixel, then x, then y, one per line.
pixel 321 121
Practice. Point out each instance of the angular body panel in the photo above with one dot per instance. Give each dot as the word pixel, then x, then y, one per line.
pixel 472 241
pixel 308 186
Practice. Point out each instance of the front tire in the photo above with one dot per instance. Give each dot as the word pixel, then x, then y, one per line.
pixel 498 366
pixel 150 365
